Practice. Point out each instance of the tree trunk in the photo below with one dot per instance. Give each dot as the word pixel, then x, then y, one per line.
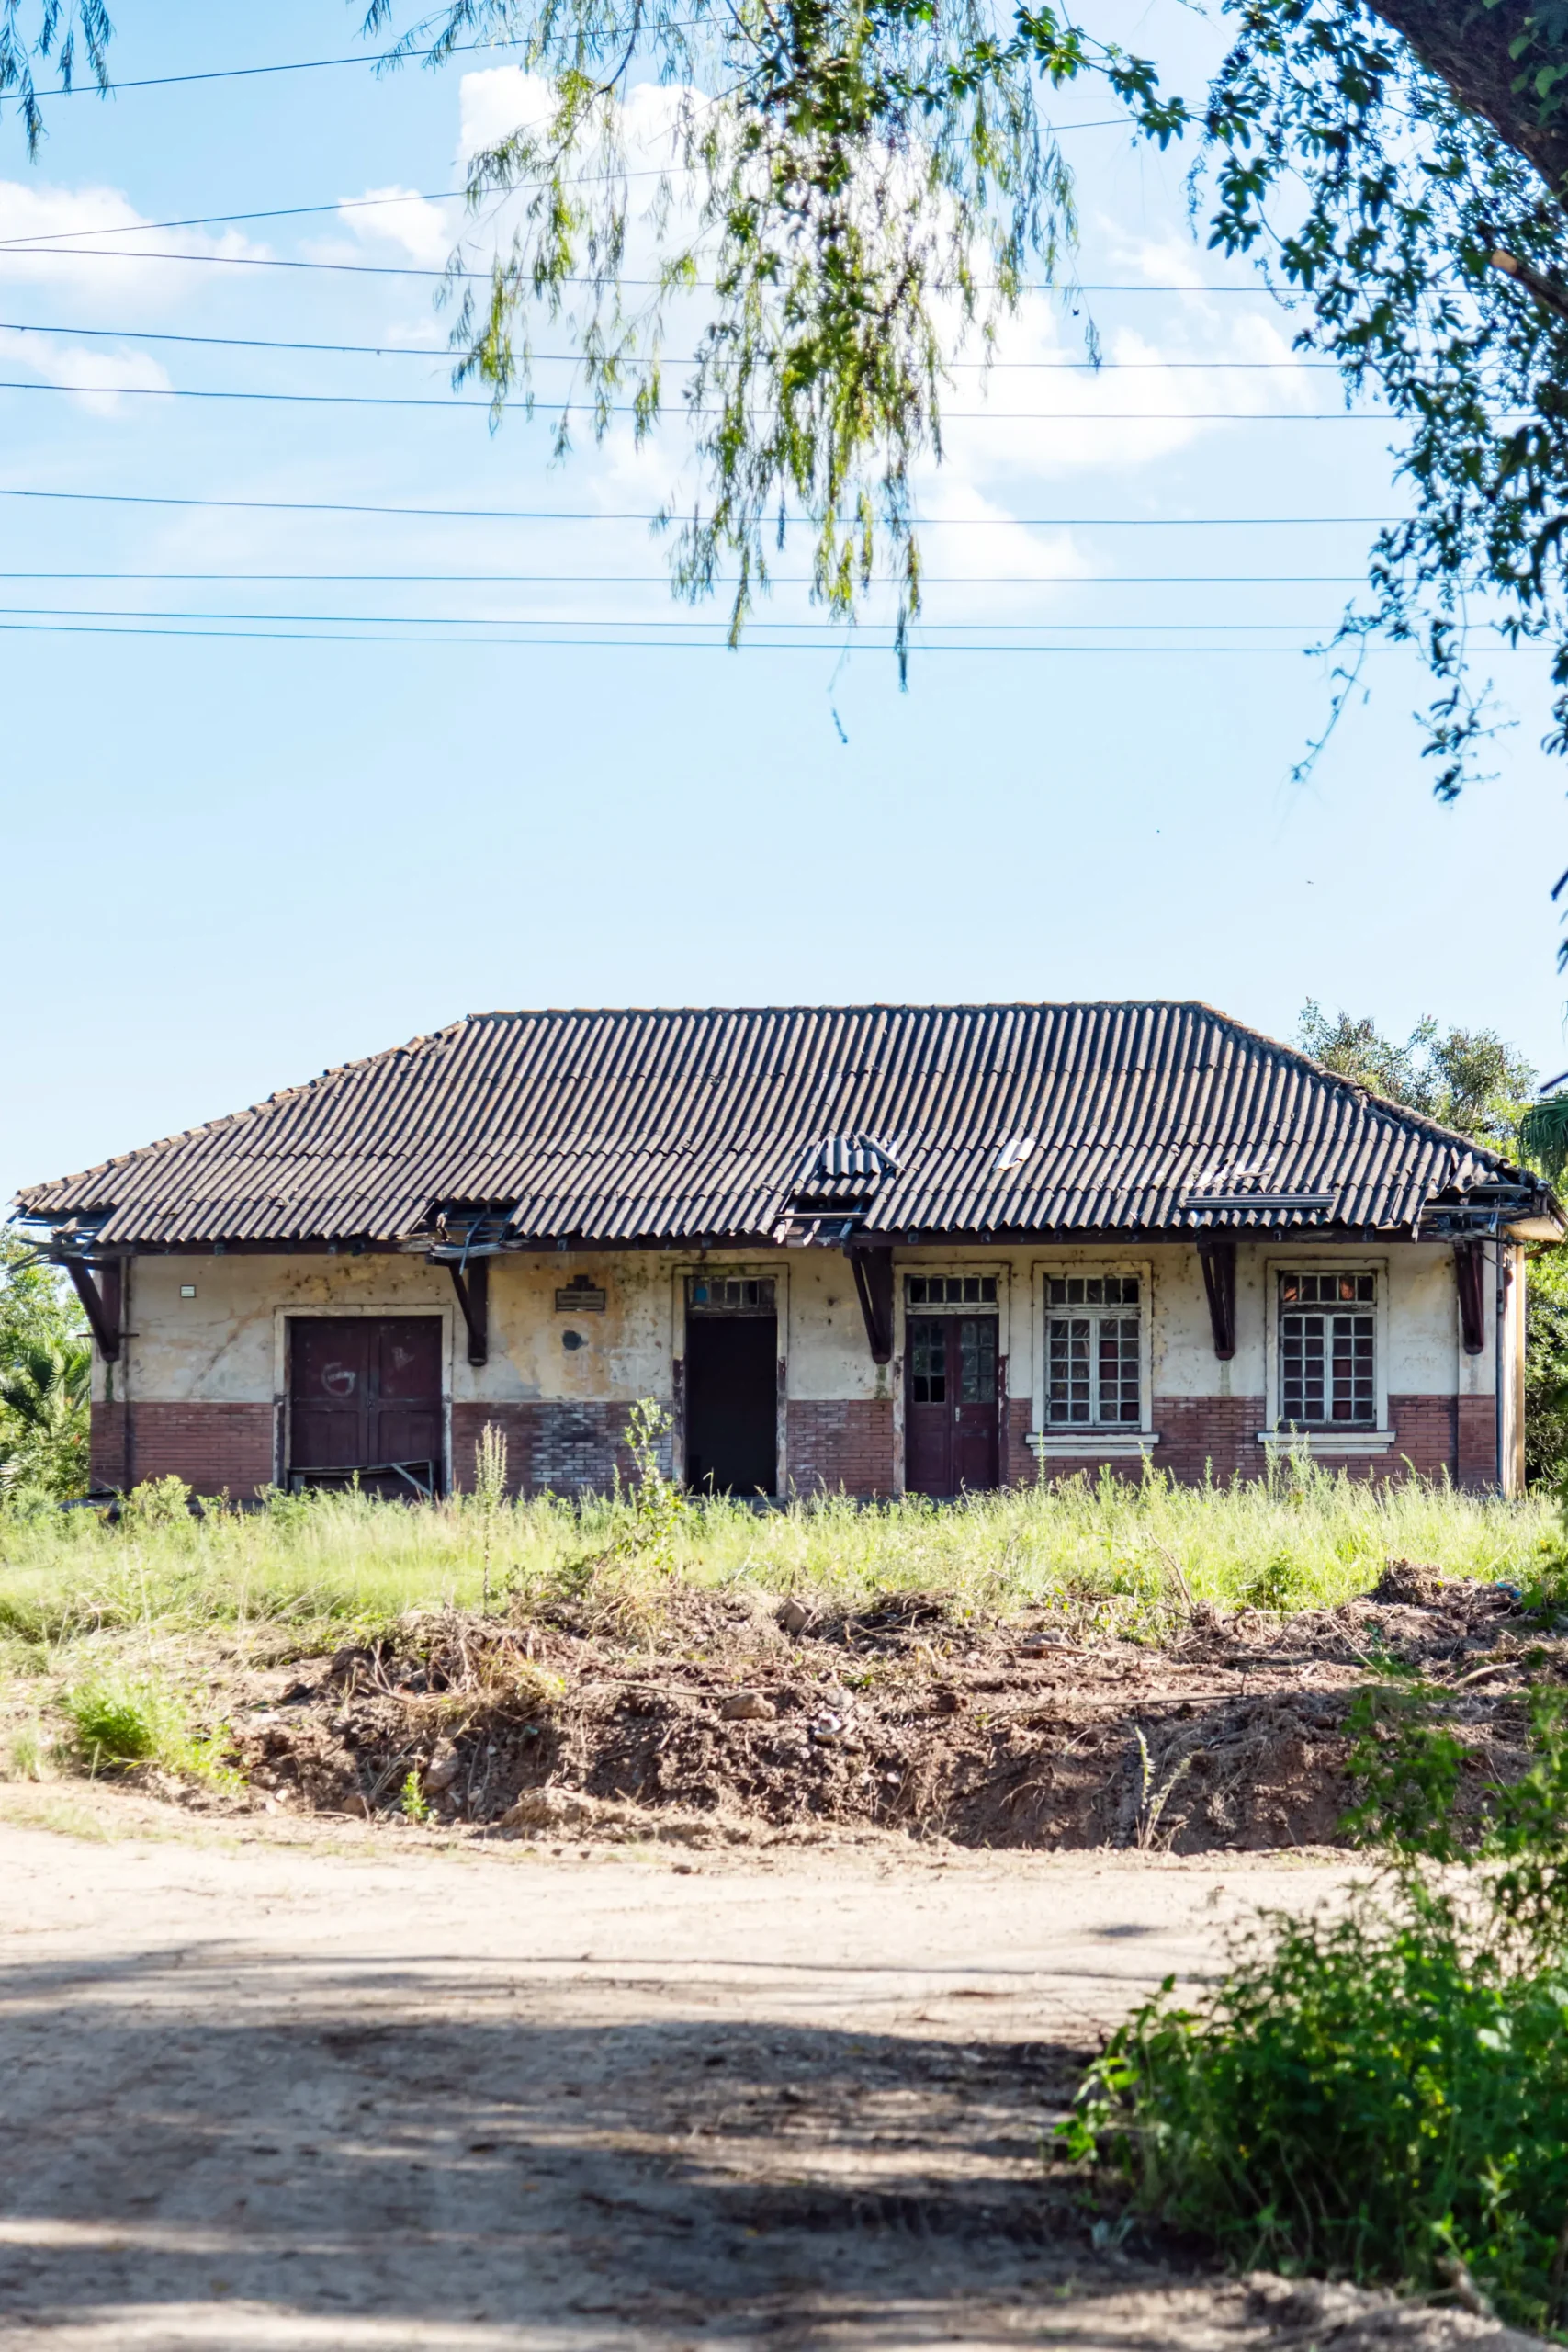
pixel 1468 46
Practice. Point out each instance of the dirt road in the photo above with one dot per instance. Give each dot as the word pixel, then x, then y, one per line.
pixel 361 2090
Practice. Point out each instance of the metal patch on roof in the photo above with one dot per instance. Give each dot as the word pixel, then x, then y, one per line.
pixel 859 1159
pixel 1013 1153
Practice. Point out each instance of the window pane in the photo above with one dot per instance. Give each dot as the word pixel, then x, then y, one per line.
pixel 1328 1362
pixel 1067 1369
pixel 927 1359
pixel 977 1360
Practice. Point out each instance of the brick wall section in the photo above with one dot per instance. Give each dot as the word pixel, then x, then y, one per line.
pixel 1428 1437
pixel 1202 1437
pixel 576 1449
pixel 843 1447
pixel 216 1449
pixel 1476 1442
pixel 1018 1465
pixel 571 1448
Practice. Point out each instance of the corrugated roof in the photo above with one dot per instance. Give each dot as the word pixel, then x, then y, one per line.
pixel 647 1127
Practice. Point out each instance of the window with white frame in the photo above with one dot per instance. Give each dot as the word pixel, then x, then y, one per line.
pixel 1329 1351
pixel 1094 1350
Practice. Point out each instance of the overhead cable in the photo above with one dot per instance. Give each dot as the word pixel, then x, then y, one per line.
pixel 631 408
pixel 572 358
pixel 483 277
pixel 563 515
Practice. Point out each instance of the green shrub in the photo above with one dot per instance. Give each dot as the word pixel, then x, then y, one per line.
pixel 1380 2092
pixel 117 1721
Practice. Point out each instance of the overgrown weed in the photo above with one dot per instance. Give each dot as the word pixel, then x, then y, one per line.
pixel 1380 2092
pixel 1110 1555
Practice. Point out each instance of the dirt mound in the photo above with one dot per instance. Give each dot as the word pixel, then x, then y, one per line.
pixel 1411 1582
pixel 738 1716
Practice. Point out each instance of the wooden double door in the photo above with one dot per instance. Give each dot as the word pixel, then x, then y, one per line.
pixel 951 1403
pixel 365 1402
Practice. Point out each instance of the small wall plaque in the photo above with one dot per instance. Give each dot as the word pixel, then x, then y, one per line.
pixel 579 1297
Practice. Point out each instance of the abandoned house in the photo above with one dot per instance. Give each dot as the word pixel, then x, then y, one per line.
pixel 883 1249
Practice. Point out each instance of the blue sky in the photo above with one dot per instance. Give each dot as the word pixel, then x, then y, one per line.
pixel 232 863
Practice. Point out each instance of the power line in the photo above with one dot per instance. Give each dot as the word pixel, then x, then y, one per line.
pixel 836 646
pixel 661 578
pixel 417 56
pixel 630 407
pixel 548 515
pixel 572 358
pixel 412 269
pixel 758 627
pixel 46 239
pixel 255 72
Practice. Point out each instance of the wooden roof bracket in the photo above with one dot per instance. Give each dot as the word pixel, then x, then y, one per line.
pixel 873 1271
pixel 1216 1255
pixel 1469 1274
pixel 471 1283
pixel 103 1305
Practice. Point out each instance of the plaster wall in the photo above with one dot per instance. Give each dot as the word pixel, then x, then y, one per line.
pixel 221 1345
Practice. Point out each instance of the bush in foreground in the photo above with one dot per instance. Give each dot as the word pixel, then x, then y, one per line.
pixel 1379 2093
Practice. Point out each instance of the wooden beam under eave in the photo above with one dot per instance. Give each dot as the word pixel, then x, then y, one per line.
pixel 472 1286
pixel 1217 1258
pixel 103 1306
pixel 1469 1274
pixel 873 1271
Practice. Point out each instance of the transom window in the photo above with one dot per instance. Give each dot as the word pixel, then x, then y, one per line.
pixel 1093 1289
pixel 730 1294
pixel 1093 1349
pixel 950 1290
pixel 1328 1350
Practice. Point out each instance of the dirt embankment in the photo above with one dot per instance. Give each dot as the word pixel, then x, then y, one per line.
pixel 727 1717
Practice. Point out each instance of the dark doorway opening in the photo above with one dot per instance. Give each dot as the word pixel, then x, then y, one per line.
pixel 364 1403
pixel 950 1404
pixel 732 1346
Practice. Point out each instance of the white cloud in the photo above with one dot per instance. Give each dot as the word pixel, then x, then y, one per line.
pixel 103 372
pixel 403 218
pixel 88 241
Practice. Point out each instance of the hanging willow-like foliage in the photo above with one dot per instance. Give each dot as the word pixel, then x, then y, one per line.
pixel 854 189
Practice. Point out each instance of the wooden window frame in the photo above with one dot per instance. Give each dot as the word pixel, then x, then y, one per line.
pixel 1062 1441
pixel 1354 1438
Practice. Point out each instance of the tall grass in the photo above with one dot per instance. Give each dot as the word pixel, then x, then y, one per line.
pixel 1301 1539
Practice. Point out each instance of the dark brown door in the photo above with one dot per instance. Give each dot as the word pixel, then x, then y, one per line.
pixel 364 1394
pixel 949 1405
pixel 732 1403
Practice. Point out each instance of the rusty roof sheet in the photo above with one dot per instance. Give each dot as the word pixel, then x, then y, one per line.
pixel 649 1126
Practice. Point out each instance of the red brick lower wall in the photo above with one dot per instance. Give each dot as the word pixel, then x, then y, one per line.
pixel 1428 1437
pixel 570 1449
pixel 216 1449
pixel 1475 1440
pixel 843 1447
pixel 1019 1466
pixel 840 1445
pixel 1209 1436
